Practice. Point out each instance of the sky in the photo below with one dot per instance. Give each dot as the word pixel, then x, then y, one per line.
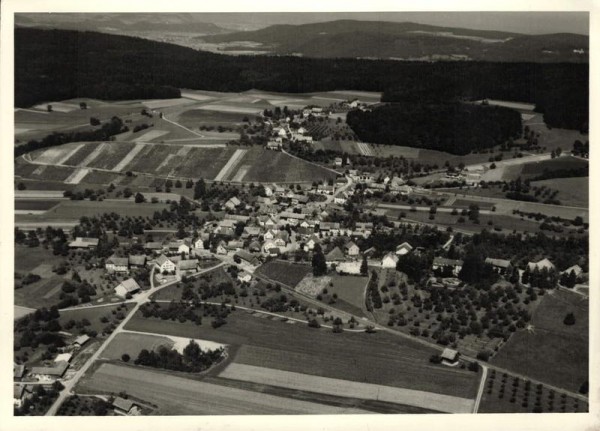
pixel 518 22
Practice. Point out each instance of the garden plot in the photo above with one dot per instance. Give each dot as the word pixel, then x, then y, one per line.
pixel 235 159
pixel 312 286
pixel 129 157
pixel 346 388
pixel 77 176
pixel 150 135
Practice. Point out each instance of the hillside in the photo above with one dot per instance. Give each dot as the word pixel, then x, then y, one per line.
pixel 411 41
pixel 59 64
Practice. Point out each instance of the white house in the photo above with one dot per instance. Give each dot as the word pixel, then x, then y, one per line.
pixel 222 248
pixel 199 244
pixel 126 287
pixel 351 249
pixel 244 277
pixel 389 261
pixel 442 262
pixel 542 264
pixel 163 263
pixel 403 249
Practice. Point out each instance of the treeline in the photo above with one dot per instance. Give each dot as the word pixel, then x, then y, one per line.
pixel 119 67
pixel 455 127
pixel 193 359
pixel 104 133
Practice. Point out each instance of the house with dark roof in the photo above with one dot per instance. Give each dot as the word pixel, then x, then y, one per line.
pixel 248 257
pixel 190 265
pixel 137 260
pixel 50 373
pixel 441 263
pixel 163 263
pixel 334 256
pixel 124 406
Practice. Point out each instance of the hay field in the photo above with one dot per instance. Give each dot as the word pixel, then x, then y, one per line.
pixel 346 388
pixel 180 396
pixel 133 343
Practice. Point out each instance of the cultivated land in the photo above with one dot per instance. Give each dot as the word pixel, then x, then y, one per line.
pixel 377 358
pixel 551 351
pixel 571 191
pixel 284 272
pixel 338 387
pixel 181 396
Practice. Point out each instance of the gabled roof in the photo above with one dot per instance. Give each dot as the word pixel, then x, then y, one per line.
pixel 405 246
pixel 248 257
pixel 162 259
pixel 391 256
pixel 57 370
pixel 82 339
pixel 575 268
pixel 335 255
pixel 84 242
pixel 130 285
pixel 137 259
pixel 449 354
pixel 544 263
pixel 153 245
pixel 349 245
pixel 123 404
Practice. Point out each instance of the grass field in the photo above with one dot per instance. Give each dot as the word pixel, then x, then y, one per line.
pixel 35 204
pixel 287 273
pixel 350 291
pixel 571 191
pixel 74 210
pixel 339 387
pixel 180 396
pixel 276 166
pixel 132 344
pixel 378 358
pixel 537 168
pixel 552 352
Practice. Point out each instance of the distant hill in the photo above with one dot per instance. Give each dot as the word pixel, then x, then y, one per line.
pixel 411 41
pixel 55 65
pixel 120 22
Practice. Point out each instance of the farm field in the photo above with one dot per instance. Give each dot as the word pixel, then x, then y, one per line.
pixel 132 344
pixel 279 167
pixel 350 291
pixel 28 259
pixel 35 204
pixel 74 210
pixel 571 191
pixel 537 168
pixel 180 396
pixel 378 358
pixel 339 387
pixel 551 351
pixel 284 272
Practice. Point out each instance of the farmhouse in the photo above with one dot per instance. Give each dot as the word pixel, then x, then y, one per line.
pixel 403 249
pixel 244 277
pixel 125 407
pixel 540 265
pixel 81 340
pixel 233 203
pixel 163 263
pixel 441 263
pixel 117 264
pixel 449 356
pixel 181 246
pixel 274 145
pixel 222 247
pixel 351 249
pixel 575 268
pixel 248 257
pixel 50 373
pixel 337 162
pixel 334 256
pixel 137 260
pixel 190 265
pixel 390 260
pixel 63 357
pixel 81 242
pixel 501 266
pixel 199 244
pixel 127 287
pixel 153 246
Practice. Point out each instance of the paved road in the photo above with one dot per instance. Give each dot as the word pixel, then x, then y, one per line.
pixel 481 388
pixel 139 300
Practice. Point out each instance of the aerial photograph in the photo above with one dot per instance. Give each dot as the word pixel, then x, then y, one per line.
pixel 303 213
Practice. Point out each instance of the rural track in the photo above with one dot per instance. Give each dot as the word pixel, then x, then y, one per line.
pixel 420 340
pixel 70 384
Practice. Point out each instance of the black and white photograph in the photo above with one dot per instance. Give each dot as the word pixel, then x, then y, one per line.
pixel 272 213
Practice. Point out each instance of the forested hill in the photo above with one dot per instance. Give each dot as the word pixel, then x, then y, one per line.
pixel 60 64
